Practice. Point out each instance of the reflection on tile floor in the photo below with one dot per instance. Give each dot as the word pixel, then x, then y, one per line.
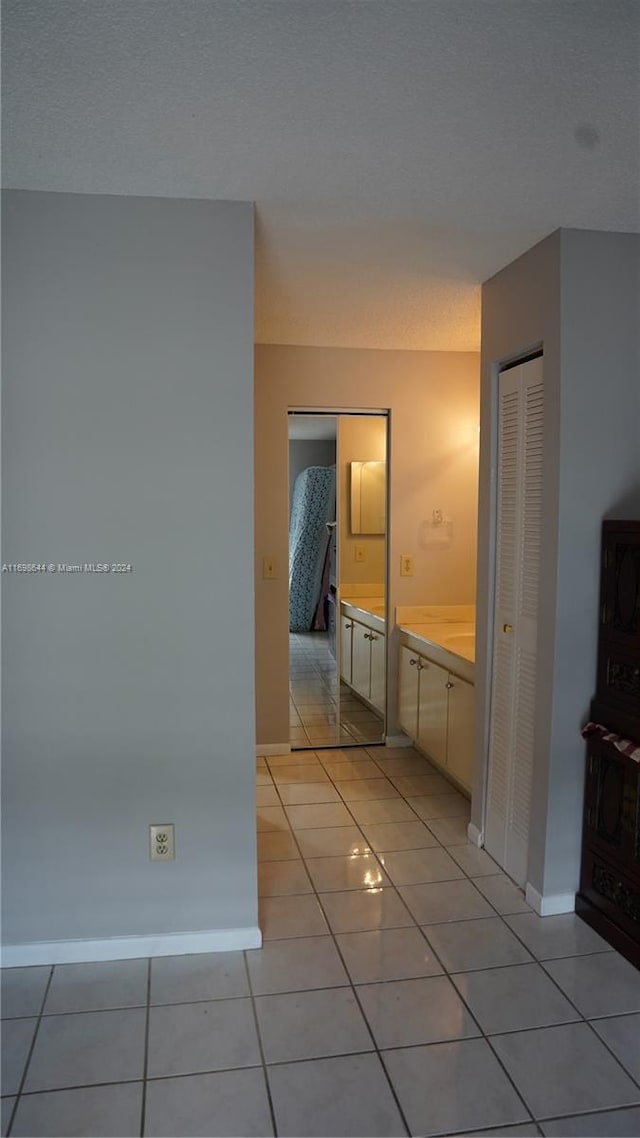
pixel 323 712
pixel 404 987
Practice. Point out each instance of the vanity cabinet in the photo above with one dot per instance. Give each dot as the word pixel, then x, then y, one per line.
pixel 436 711
pixel 363 661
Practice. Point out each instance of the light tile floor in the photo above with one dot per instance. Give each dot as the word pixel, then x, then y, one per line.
pixel 323 712
pixel 404 987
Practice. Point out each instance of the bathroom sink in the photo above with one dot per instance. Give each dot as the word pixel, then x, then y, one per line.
pixel 366 604
pixel 462 643
pixel 461 639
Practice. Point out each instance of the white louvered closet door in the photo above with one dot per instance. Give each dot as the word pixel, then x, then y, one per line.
pixel 518 540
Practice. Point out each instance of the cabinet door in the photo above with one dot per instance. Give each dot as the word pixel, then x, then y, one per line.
pixel 408 692
pixel 378 669
pixel 346 632
pixel 361 659
pixel 432 711
pixel 460 734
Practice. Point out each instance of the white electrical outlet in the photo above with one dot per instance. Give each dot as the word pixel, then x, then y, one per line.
pixel 161 842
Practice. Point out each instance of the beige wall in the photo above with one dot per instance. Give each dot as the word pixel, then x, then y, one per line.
pixel 359 440
pixel 433 402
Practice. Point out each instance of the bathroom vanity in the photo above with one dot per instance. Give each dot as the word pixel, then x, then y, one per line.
pixel 436 685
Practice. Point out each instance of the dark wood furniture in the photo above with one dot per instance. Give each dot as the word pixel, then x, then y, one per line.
pixel 609 897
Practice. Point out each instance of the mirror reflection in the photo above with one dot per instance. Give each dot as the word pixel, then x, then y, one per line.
pixel 337 572
pixel 368 497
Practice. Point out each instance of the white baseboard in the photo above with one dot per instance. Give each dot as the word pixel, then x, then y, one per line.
pixel 397 741
pixel 130 947
pixel 550 905
pixel 273 749
pixel 475 835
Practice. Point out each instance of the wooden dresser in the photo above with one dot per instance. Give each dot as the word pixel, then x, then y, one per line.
pixel 609 897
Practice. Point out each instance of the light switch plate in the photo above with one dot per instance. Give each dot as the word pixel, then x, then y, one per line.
pixel 269 572
pixel 406 565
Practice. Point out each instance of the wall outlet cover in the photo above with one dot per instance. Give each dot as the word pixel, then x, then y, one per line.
pixel 162 842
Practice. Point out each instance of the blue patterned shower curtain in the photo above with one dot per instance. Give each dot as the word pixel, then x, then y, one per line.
pixel 314 504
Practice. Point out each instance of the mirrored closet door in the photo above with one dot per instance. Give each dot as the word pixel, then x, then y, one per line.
pixel 338 487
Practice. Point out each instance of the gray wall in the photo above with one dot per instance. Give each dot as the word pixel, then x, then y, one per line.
pixel 308 452
pixel 576 294
pixel 128 373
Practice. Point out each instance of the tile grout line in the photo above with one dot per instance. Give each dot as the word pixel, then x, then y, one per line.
pixel 145 1058
pixel 30 1052
pixel 480 1131
pixel 588 1113
pixel 81 1086
pixel 589 1024
pixel 260 1044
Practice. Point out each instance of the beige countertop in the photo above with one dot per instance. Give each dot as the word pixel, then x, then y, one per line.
pixel 452 644
pixel 369 609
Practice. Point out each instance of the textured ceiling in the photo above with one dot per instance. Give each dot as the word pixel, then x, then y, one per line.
pixel 399 151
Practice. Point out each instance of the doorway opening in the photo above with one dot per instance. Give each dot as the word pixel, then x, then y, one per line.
pixel 338 488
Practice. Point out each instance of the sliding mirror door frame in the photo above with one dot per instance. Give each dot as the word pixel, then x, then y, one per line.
pixel 360 697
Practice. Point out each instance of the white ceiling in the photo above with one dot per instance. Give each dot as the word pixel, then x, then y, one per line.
pixel 399 151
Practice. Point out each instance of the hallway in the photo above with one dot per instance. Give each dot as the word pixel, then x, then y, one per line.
pixel 404 986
